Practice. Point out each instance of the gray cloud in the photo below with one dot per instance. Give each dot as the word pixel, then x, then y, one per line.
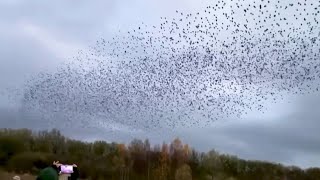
pixel 37 36
pixel 290 138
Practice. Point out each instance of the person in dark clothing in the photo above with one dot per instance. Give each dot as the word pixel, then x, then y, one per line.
pixel 50 173
pixel 75 174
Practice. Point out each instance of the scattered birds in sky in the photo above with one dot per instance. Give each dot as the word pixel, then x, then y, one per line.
pixel 189 70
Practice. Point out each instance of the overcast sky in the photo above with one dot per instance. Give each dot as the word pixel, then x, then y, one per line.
pixel 39 35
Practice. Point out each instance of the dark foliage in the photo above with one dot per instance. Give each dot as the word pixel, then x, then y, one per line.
pixel 26 151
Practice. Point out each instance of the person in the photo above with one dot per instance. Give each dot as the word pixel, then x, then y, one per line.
pixel 75 174
pixel 51 172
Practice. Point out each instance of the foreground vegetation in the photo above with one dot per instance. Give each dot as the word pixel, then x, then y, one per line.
pixel 25 151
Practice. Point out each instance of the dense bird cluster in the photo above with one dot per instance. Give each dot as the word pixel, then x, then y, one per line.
pixel 190 70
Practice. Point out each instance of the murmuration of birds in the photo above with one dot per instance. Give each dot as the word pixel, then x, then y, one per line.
pixel 189 70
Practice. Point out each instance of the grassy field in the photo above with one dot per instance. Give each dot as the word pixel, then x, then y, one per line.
pixel 9 176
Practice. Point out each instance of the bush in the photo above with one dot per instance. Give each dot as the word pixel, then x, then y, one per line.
pixel 9 146
pixel 29 162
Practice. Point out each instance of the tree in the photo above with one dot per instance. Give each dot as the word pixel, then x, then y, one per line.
pixel 164 162
pixel 9 146
pixel 138 155
pixel 100 148
pixel 313 173
pixel 176 153
pixel 186 153
pixel 57 141
pixel 23 161
pixel 147 149
pixel 212 162
pixel 184 173
pixel 27 151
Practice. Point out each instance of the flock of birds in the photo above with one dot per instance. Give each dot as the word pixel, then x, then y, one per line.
pixel 191 70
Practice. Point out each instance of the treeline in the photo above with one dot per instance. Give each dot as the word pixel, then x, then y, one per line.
pixel 26 151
